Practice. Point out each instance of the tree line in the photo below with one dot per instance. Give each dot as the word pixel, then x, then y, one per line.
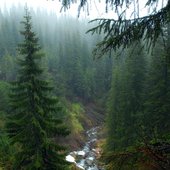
pixel 68 52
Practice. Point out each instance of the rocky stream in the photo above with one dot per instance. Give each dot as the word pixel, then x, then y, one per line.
pixel 86 159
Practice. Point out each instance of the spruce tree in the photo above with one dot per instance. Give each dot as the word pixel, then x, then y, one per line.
pixel 157 98
pixel 32 124
pixel 115 137
pixel 125 101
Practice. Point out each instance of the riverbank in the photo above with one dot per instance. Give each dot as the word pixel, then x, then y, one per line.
pixel 81 117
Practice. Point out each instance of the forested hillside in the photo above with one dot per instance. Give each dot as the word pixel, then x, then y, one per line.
pixel 67 49
pixel 49 78
pixel 80 82
pixel 138 110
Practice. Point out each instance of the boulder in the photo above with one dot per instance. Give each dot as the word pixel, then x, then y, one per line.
pixel 70 158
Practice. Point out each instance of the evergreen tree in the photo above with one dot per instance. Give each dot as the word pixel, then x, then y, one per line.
pixel 32 124
pixel 127 29
pixel 125 102
pixel 157 96
pixel 6 62
pixel 115 105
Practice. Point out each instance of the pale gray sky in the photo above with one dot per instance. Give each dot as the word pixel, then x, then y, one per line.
pixel 52 6
pixel 96 9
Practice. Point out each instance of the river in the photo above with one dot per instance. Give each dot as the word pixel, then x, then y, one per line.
pixel 86 158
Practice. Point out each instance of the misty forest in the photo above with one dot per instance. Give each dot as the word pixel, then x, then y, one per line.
pixel 77 94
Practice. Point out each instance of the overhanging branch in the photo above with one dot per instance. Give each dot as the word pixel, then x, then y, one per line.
pixel 122 32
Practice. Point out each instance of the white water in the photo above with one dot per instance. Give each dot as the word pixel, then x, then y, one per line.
pixel 85 159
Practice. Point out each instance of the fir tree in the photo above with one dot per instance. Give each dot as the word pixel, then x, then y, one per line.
pixel 32 124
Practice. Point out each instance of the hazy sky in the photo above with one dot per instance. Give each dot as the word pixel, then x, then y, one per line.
pixel 95 9
pixel 55 6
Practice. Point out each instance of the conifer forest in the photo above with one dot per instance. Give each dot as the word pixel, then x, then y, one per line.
pixel 84 92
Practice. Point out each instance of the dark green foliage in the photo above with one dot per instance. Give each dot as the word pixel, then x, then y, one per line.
pixel 6 62
pixel 121 31
pixel 138 103
pixel 114 118
pixel 158 97
pixel 32 124
pixel 68 54
pixel 5 148
pixel 4 89
pixel 125 102
pixel 138 110
pixel 124 32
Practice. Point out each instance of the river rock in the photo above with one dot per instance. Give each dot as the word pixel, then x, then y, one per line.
pixel 86 148
pixel 81 153
pixel 90 161
pixel 93 168
pixel 70 158
pixel 79 166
